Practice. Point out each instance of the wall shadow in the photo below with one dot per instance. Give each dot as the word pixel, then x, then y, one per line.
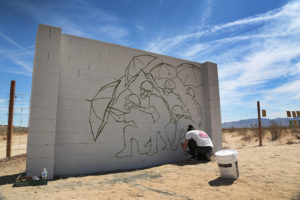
pixel 191 162
pixel 8 179
pixel 221 181
pixel 297 197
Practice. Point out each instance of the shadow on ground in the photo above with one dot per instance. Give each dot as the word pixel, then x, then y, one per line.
pixel 191 162
pixel 221 181
pixel 8 179
pixel 182 163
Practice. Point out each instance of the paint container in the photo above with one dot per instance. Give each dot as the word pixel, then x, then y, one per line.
pixel 228 163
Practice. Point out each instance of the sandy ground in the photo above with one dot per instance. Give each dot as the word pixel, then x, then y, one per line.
pixel 19 145
pixel 268 172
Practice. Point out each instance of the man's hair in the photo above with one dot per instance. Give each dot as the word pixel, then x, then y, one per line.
pixel 190 128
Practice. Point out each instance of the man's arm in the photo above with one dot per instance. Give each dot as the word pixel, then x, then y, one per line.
pixel 185 144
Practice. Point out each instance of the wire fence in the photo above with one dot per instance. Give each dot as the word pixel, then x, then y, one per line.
pixel 239 127
pixel 20 124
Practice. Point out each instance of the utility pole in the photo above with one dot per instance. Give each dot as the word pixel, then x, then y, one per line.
pixel 10 118
pixel 259 123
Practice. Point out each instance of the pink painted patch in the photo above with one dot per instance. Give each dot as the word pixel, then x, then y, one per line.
pixel 202 134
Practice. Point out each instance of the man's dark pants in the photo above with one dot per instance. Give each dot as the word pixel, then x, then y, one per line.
pixel 201 153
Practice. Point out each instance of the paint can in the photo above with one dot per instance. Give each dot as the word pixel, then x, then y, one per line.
pixel 228 163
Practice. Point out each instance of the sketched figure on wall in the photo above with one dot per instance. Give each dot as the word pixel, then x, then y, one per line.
pixel 195 106
pixel 178 125
pixel 150 101
pixel 131 130
pixel 149 91
pixel 146 89
pixel 105 96
pixel 173 98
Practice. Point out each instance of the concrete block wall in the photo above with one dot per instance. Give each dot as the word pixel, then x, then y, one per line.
pixel 43 106
pixel 102 107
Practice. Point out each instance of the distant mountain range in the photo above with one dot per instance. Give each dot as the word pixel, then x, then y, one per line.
pixel 248 123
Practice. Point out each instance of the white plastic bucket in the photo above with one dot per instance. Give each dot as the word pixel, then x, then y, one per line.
pixel 227 162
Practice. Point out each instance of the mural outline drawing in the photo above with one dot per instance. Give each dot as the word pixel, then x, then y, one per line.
pixel 148 82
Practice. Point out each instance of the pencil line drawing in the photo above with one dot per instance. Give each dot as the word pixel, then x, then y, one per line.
pixel 154 101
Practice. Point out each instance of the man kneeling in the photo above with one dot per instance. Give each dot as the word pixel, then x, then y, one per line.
pixel 199 144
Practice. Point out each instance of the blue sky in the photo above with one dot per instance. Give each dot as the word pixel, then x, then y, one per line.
pixel 255 43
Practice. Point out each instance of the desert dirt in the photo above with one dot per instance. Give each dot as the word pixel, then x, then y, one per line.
pixel 19 141
pixel 268 172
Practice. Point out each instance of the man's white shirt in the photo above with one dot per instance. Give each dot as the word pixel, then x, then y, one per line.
pixel 201 138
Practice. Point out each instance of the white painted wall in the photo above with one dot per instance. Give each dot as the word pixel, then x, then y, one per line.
pixel 78 121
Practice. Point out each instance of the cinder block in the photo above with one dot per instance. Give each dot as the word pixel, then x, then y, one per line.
pixel 40 125
pixel 82 43
pixel 45 67
pixel 44 89
pixel 67 50
pixel 42 113
pixel 66 40
pixel 98 67
pixel 42 54
pixel 48 37
pixel 84 95
pixel 75 165
pixel 41 150
pixel 67 93
pixel 72 138
pixel 78 63
pixel 101 47
pixel 89 55
pixel 68 149
pixel 79 126
pixel 46 78
pixel 72 115
pixel 47 101
pixel 51 43
pixel 73 104
pixel 87 75
pixel 41 138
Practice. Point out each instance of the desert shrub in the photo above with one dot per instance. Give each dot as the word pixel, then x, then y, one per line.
pixel 247 137
pixel 295 130
pixel 240 131
pixel 229 130
pixel 3 130
pixel 275 131
pixel 290 141
pixel 3 137
pixel 224 139
pixel 17 130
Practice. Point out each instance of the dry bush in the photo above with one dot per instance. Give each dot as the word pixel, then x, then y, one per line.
pixel 290 141
pixel 17 130
pixel 247 137
pixel 3 130
pixel 276 131
pixel 229 130
pixel 295 130
pixel 224 140
pixel 242 131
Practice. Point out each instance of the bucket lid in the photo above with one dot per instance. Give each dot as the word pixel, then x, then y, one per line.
pixel 226 152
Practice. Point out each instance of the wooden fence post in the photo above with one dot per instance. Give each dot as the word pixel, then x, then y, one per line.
pixel 10 118
pixel 259 124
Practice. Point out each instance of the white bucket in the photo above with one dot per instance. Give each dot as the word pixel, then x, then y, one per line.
pixel 227 162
